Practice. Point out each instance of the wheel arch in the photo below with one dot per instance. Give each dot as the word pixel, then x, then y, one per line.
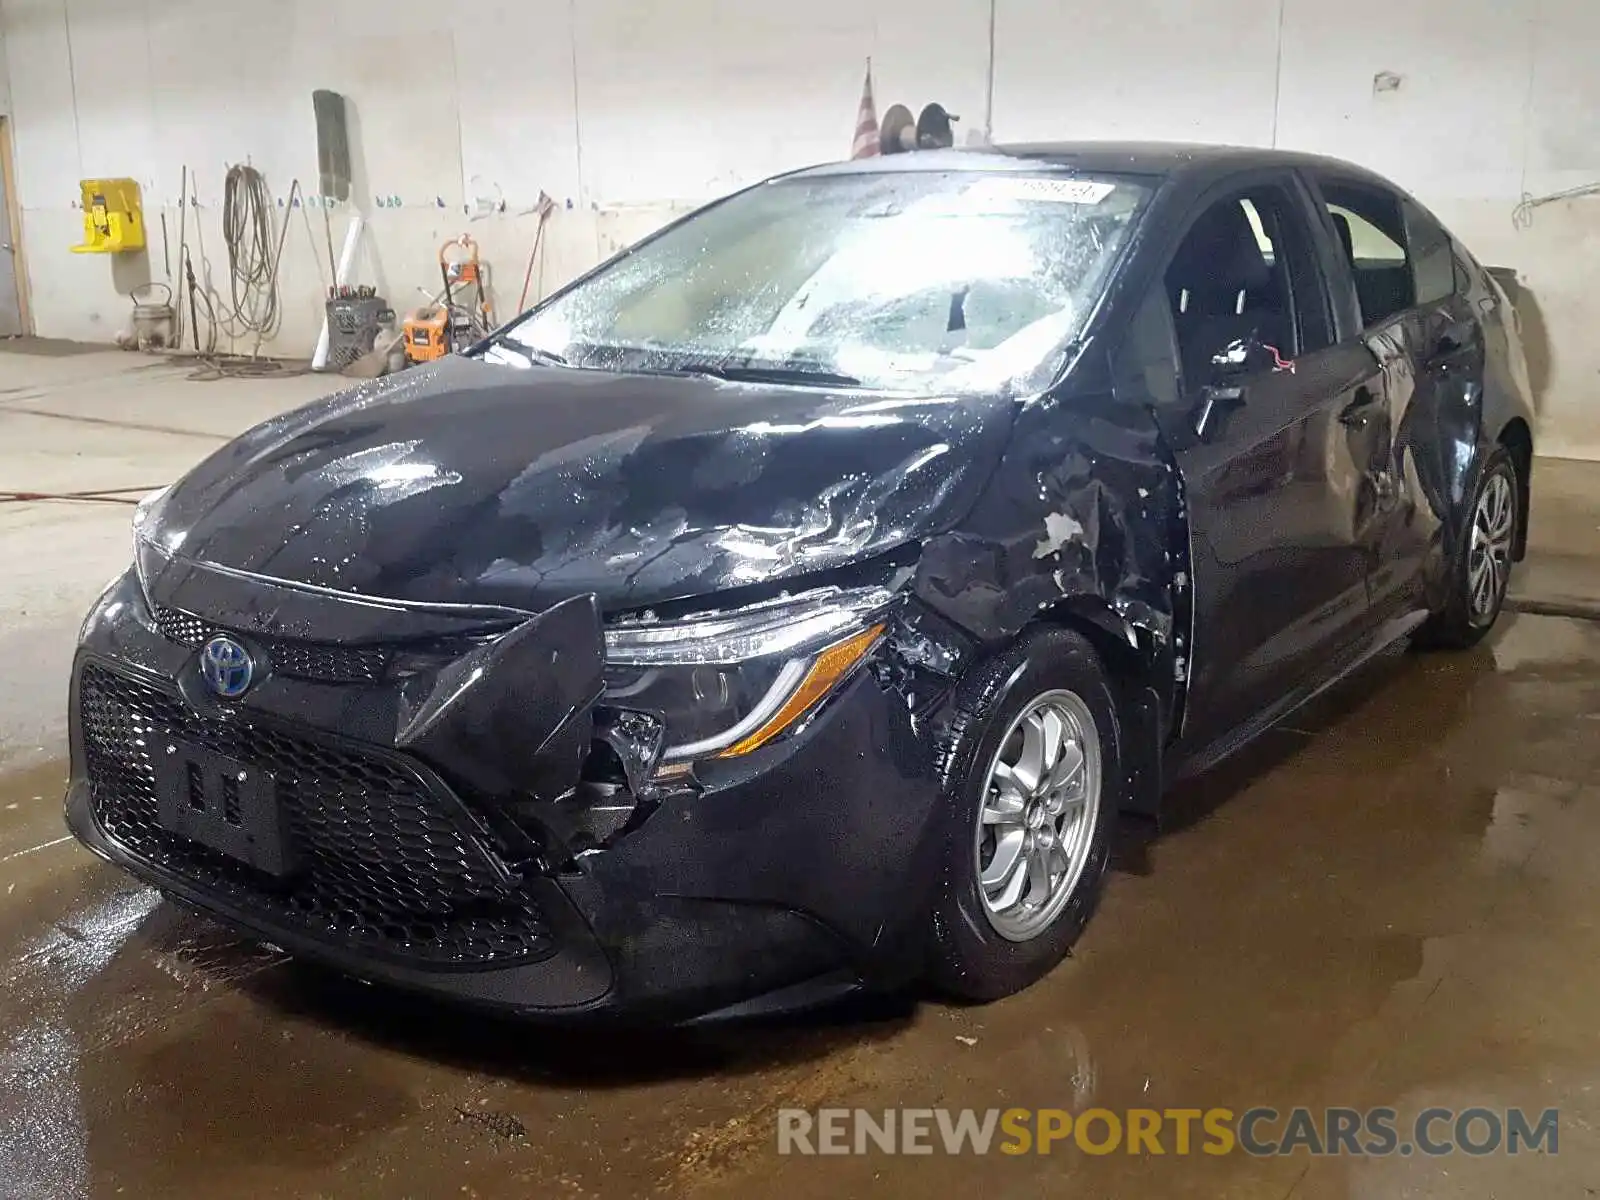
pixel 1133 671
pixel 1517 439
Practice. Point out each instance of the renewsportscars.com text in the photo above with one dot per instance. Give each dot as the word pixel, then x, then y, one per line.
pixel 1259 1131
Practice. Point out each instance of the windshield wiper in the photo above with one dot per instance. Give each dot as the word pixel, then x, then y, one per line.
pixel 735 373
pixel 533 354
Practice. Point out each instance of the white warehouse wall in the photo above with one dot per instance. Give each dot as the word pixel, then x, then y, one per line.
pixel 621 114
pixel 5 76
pixel 626 111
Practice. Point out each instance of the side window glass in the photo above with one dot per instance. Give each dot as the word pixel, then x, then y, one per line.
pixel 1243 289
pixel 1373 237
pixel 1269 252
pixel 1147 365
pixel 1432 257
pixel 1464 273
pixel 1368 244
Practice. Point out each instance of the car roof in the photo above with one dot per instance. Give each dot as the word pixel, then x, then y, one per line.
pixel 1112 157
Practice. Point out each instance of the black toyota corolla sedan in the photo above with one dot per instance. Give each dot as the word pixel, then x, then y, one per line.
pixel 791 604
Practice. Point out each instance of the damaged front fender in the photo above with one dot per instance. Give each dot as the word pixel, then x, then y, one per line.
pixel 1082 521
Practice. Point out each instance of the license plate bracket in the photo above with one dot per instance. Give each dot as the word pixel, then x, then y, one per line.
pixel 225 805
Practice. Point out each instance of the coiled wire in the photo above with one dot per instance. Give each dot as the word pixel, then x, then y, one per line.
pixel 252 265
pixel 253 309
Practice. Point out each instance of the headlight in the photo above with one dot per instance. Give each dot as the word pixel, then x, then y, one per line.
pixel 728 683
pixel 147 512
pixel 146 518
pixel 147 509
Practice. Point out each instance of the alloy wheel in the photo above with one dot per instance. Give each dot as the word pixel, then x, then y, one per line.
pixel 1489 554
pixel 1041 804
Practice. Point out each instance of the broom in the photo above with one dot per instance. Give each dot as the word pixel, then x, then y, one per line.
pixel 375 362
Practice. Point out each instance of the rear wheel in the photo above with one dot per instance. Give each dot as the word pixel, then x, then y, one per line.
pixel 1481 569
pixel 1030 802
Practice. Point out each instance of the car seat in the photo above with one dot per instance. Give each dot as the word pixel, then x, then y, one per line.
pixel 1223 290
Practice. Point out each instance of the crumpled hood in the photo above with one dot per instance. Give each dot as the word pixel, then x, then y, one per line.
pixel 471 482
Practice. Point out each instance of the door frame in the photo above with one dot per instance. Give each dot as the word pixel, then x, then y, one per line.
pixel 1201 743
pixel 13 206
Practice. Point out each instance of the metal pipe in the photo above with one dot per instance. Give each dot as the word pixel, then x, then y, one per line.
pixel 988 104
pixel 183 234
pixel 277 258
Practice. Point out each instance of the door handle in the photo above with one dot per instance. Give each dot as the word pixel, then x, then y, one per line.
pixel 1359 412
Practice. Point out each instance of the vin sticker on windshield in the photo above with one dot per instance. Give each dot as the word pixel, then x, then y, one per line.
pixel 1055 191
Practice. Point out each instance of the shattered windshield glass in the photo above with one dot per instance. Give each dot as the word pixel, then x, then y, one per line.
pixel 918 281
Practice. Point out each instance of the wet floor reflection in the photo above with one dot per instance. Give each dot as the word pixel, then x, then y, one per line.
pixel 44 1146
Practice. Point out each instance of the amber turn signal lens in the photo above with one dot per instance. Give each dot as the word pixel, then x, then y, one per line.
pixel 832 665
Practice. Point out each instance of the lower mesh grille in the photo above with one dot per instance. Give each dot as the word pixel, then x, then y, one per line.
pixel 383 864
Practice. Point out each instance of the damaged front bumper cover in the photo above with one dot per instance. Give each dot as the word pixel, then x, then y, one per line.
pixel 783 878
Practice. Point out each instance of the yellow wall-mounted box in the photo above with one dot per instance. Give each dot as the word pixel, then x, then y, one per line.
pixel 113 217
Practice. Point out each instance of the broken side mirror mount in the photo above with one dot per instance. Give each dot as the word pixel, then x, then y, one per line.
pixel 1215 402
pixel 1225 389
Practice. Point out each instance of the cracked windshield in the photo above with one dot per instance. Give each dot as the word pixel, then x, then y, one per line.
pixel 922 282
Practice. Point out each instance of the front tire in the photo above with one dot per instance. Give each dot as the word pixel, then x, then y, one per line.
pixel 1481 568
pixel 1032 788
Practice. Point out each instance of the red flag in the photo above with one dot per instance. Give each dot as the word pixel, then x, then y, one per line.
pixel 866 143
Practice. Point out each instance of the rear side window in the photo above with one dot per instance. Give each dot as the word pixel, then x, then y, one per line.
pixel 1433 258
pixel 1368 243
pixel 1372 233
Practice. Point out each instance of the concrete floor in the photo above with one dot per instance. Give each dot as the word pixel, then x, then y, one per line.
pixel 1393 902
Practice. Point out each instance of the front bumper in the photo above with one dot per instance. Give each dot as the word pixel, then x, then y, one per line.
pixel 802 874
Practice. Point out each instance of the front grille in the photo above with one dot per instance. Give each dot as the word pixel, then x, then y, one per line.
pixel 181 627
pixel 319 661
pixel 384 864
pixel 332 664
